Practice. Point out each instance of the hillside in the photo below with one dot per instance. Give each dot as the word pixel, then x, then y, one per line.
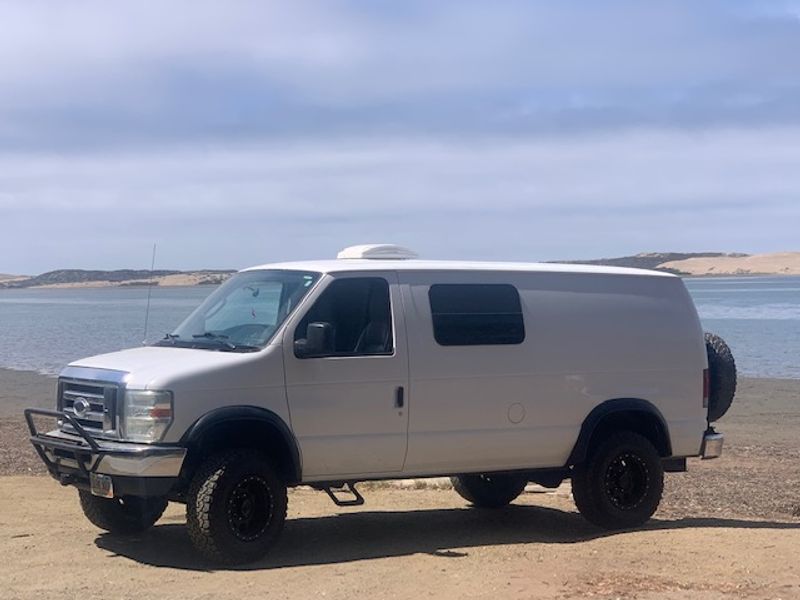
pixel 122 277
pixel 707 263
pixel 650 260
pixel 680 263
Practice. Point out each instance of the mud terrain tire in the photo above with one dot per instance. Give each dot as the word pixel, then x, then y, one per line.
pixel 621 483
pixel 236 507
pixel 488 491
pixel 125 515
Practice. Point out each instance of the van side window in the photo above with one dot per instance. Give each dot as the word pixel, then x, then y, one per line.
pixel 476 314
pixel 355 316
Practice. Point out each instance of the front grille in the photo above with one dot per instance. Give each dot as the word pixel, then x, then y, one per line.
pixel 92 403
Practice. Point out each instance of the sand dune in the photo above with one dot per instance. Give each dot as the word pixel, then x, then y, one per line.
pixel 175 280
pixel 779 263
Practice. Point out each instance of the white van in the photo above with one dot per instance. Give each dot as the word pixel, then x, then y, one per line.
pixel 377 365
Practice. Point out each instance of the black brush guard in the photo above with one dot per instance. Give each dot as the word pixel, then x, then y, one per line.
pixel 86 453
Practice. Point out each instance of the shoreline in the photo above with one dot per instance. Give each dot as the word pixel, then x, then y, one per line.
pixel 105 285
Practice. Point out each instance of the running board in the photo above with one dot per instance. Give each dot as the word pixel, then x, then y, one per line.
pixel 356 500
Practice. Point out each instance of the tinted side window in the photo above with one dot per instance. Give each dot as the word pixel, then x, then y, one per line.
pixel 359 313
pixel 470 314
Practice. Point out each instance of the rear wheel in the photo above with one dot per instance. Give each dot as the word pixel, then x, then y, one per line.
pixel 236 507
pixel 129 514
pixel 621 483
pixel 488 490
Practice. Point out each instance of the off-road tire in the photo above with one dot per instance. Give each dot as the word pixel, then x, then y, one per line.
pixel 601 491
pixel 126 515
pixel 235 507
pixel 722 377
pixel 488 490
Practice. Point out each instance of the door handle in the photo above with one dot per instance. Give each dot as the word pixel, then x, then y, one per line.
pixel 399 397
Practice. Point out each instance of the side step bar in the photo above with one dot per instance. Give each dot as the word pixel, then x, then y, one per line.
pixel 356 500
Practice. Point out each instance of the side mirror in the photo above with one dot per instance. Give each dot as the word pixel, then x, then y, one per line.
pixel 318 341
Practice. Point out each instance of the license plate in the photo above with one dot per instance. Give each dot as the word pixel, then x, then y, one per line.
pixel 101 485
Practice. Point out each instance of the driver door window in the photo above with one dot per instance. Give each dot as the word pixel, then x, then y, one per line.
pixel 355 314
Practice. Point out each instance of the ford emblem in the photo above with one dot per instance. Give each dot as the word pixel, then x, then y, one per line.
pixel 81 406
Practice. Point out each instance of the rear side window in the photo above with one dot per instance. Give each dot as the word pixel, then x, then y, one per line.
pixel 476 314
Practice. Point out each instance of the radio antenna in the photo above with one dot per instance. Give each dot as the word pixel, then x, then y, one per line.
pixel 149 294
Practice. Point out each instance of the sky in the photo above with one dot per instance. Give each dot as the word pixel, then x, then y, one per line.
pixel 234 133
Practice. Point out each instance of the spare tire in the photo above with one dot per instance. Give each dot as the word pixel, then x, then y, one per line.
pixel 722 376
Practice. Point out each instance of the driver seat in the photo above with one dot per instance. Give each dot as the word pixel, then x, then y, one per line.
pixel 374 338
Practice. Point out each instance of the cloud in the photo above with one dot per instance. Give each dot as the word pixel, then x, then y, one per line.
pixel 95 74
pixel 561 197
pixel 241 131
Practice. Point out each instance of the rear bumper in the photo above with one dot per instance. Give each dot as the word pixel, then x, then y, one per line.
pixel 712 445
pixel 136 469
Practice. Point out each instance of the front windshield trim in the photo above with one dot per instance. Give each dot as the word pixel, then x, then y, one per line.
pixel 269 313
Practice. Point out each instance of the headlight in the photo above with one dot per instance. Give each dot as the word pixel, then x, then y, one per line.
pixel 146 415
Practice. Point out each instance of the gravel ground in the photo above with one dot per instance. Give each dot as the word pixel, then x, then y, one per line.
pixel 416 543
pixel 19 390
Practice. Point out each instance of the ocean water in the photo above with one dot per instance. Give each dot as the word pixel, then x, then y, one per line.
pixel 44 329
pixel 759 318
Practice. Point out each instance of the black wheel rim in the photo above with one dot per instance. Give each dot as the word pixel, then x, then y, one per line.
pixel 250 508
pixel 627 481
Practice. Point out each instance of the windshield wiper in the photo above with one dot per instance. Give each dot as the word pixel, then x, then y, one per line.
pixel 169 338
pixel 222 339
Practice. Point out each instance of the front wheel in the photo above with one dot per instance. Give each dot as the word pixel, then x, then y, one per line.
pixel 129 514
pixel 236 507
pixel 489 490
pixel 620 484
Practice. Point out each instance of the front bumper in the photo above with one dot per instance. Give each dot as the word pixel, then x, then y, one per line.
pixel 136 469
pixel 712 444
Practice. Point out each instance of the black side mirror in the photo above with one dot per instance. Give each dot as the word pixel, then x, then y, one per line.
pixel 318 341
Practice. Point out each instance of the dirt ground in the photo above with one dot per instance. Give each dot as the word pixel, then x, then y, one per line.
pixel 402 544
pixel 729 528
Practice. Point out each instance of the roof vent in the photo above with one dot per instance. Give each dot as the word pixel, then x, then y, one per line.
pixel 377 252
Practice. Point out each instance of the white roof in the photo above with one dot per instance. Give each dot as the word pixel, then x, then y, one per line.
pixel 350 264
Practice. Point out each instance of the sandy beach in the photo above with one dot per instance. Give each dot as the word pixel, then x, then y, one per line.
pixel 728 528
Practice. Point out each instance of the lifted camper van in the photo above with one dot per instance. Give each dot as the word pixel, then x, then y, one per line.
pixel 377 365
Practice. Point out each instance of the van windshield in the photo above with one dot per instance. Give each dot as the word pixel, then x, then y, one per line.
pixel 244 312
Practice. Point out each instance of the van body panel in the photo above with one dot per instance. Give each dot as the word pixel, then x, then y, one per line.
pixel 588 338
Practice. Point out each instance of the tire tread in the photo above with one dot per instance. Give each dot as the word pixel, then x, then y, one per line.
pixel 200 500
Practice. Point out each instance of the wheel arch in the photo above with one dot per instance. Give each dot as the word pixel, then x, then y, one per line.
pixel 243 427
pixel 633 414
